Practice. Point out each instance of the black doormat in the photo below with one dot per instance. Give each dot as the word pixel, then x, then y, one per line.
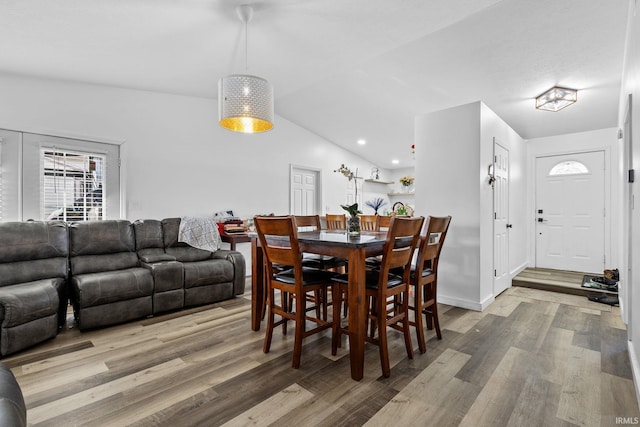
pixel 588 283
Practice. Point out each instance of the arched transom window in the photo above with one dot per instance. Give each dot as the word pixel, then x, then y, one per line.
pixel 569 167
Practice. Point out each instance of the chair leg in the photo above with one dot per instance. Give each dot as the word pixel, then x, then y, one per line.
pixel 300 328
pixel 270 320
pixel 382 338
pixel 406 328
pixel 436 322
pixel 336 334
pixel 286 302
pixel 417 314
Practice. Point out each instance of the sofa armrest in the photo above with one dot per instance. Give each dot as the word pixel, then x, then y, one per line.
pixel 13 411
pixel 153 258
pixel 239 268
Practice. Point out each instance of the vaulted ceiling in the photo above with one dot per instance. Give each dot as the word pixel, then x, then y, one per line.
pixel 343 69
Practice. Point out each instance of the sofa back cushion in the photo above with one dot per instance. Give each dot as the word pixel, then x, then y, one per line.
pixel 148 234
pixel 180 250
pixel 149 241
pixel 33 250
pixel 97 246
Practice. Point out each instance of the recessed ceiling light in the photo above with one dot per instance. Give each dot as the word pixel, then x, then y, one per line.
pixel 362 141
pixel 395 161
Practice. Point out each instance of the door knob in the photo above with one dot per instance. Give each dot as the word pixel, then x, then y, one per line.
pixel 542 220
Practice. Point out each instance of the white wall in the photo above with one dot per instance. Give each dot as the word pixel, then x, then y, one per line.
pixel 176 159
pixel 453 149
pixel 447 156
pixel 631 85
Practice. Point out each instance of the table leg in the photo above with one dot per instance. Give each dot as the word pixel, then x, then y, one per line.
pixel 357 314
pixel 257 284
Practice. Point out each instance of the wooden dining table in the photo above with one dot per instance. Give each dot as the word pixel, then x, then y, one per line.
pixel 332 243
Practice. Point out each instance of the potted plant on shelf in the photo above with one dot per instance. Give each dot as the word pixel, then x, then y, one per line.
pixel 407 182
pixel 376 204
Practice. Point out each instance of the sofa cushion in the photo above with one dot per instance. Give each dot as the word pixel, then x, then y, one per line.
pixel 28 301
pixel 208 272
pixel 98 246
pixel 33 250
pixel 107 287
pixel 148 234
pixel 180 250
pixel 101 237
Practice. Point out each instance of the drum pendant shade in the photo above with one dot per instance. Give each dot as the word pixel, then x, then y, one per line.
pixel 245 103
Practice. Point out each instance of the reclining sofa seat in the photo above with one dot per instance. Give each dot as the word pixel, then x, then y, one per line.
pixel 33 282
pixel 108 285
pixel 168 274
pixel 208 277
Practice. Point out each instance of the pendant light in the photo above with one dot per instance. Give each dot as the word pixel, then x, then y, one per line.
pixel 245 102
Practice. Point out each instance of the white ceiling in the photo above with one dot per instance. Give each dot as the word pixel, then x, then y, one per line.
pixel 343 69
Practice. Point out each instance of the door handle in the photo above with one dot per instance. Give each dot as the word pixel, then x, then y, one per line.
pixel 542 220
pixel 509 225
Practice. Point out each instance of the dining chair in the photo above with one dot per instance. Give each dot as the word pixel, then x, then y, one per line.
pixel 387 294
pixel 279 240
pixel 323 262
pixel 383 222
pixel 424 277
pixel 336 221
pixel 369 222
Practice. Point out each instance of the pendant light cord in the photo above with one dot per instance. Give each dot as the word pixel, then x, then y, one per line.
pixel 246 46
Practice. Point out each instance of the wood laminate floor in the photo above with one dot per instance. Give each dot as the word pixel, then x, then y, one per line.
pixel 532 358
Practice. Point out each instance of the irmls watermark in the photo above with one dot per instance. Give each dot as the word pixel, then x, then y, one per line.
pixel 627 420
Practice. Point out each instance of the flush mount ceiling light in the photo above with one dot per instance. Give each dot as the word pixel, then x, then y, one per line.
pixel 556 98
pixel 245 102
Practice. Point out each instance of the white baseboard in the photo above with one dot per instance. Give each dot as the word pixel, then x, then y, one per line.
pixel 519 269
pixel 462 303
pixel 635 369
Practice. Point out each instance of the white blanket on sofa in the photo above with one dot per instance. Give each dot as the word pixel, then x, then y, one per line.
pixel 200 232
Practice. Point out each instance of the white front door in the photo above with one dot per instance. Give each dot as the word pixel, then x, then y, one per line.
pixel 570 212
pixel 502 279
pixel 304 191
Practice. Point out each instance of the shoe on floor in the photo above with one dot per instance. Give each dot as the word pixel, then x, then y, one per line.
pixel 612 275
pixel 604 281
pixel 604 299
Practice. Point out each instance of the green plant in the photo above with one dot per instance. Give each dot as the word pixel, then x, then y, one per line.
pixel 351 209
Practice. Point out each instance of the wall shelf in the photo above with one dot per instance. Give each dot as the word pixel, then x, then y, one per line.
pixel 377 181
pixel 401 194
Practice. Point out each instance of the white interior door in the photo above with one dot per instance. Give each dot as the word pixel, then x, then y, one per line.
pixel 570 212
pixel 305 190
pixel 501 226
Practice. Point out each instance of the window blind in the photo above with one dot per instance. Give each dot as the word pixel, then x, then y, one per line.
pixel 72 185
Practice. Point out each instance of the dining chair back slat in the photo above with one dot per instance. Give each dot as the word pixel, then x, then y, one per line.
pixel 336 221
pixel 369 222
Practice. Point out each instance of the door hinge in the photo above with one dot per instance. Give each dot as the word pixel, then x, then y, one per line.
pixel 495 215
pixel 495 273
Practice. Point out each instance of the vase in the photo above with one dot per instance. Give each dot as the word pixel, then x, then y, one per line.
pixel 406 189
pixel 353 226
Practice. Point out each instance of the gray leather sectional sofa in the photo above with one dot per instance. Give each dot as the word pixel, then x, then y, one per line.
pixel 112 271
